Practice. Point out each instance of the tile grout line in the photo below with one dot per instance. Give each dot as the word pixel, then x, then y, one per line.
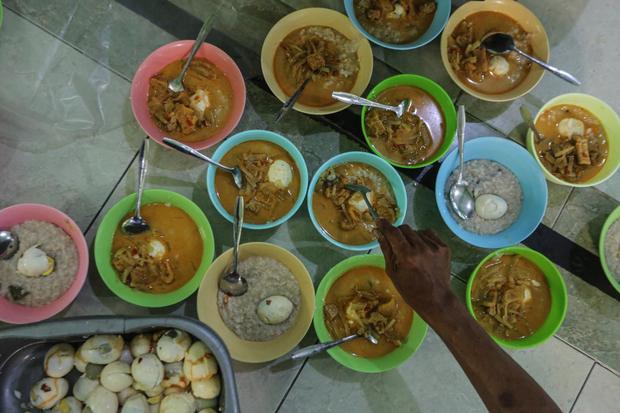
pixel 583 385
pixel 555 220
pixel 594 359
pixel 290 387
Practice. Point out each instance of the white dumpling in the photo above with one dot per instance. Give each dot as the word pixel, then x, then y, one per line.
pixel 68 405
pixel 83 387
pixel 499 66
pixel 48 391
pixel 79 362
pixel 154 408
pixel 141 344
pixel 280 174
pixel 102 400
pixel 59 360
pixel 490 206
pixel 147 370
pixel 571 126
pixel 151 392
pixel 174 378
pixel 136 404
pixel 125 394
pixel 172 345
pixel 206 403
pixel 275 309
pixel 207 389
pixel 116 376
pixel 178 403
pixel 199 363
pixel 102 349
pixel 207 410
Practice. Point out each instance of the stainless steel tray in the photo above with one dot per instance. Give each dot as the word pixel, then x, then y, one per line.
pixel 23 348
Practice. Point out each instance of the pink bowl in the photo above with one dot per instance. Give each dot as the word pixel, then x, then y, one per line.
pixel 16 214
pixel 168 53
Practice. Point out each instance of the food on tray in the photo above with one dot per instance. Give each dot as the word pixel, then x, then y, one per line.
pixel 414 137
pixel 342 213
pixel 249 316
pixel 198 112
pixel 479 68
pixel 162 259
pixel 320 53
pixel 574 146
pixel 148 382
pixel 271 181
pixel 43 267
pixel 612 249
pixel 364 300
pixel 510 297
pixel 497 194
pixel 395 21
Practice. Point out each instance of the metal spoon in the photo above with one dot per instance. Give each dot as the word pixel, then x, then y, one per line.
pixel 9 244
pixel 188 150
pixel 503 43
pixel 233 283
pixel 529 121
pixel 290 102
pixel 176 84
pixel 364 190
pixel 461 199
pixel 136 224
pixel 360 101
pixel 315 349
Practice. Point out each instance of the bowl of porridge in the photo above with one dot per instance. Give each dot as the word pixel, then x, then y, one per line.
pixel 509 190
pixel 609 248
pixel 49 268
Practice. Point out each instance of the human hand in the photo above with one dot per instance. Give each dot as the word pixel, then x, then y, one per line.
pixel 418 263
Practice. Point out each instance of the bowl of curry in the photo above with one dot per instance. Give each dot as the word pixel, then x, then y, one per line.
pixel 205 112
pixel 518 296
pixel 357 296
pixel 320 45
pixel 163 265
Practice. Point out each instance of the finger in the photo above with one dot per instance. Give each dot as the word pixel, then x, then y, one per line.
pixel 388 254
pixel 412 236
pixel 395 238
pixel 383 225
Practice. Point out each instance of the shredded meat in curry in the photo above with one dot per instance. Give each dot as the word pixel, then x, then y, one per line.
pixel 139 270
pixel 258 192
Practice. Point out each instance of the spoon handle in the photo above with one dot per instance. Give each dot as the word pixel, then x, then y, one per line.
pixel 529 121
pixel 562 74
pixel 142 167
pixel 237 227
pixel 188 150
pixel 360 101
pixel 202 35
pixel 461 122
pixel 313 349
pixel 291 100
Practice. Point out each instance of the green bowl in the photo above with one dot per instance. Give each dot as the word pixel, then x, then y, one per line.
pixel 105 235
pixel 613 217
pixel 557 288
pixel 364 365
pixel 441 97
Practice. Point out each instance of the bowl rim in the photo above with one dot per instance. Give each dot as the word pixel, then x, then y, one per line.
pixel 417 331
pixel 397 183
pixel 555 101
pixel 423 83
pixel 267 136
pixel 272 40
pixel 485 241
pixel 472 7
pixel 348 5
pixel 35 314
pixel 553 272
pixel 142 74
pixel 611 219
pixel 103 249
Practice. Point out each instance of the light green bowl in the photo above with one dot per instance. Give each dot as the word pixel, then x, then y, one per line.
pixel 105 235
pixel 441 97
pixel 611 124
pixel 364 365
pixel 613 217
pixel 557 288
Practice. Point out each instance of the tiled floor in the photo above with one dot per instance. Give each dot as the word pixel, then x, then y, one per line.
pixel 68 139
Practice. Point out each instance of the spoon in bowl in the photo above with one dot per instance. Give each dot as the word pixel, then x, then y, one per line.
pixel 136 224
pixel 290 102
pixel 502 43
pixel 461 199
pixel 188 150
pixel 176 84
pixel 364 190
pixel 352 99
pixel 529 121
pixel 9 244
pixel 233 283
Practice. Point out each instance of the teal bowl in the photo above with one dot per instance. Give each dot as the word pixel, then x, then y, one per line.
pixel 396 182
pixel 442 14
pixel 259 135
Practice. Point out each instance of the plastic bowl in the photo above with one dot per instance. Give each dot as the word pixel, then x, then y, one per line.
pixel 103 248
pixel 557 288
pixel 16 214
pixel 398 187
pixel 361 364
pixel 441 97
pixel 256 351
pixel 319 17
pixel 439 22
pixel 167 54
pixel 519 162
pixel 611 124
pixel 525 18
pixel 259 135
pixel 613 217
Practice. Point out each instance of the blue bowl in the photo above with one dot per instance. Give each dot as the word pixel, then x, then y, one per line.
pixel 398 187
pixel 259 135
pixel 518 160
pixel 439 22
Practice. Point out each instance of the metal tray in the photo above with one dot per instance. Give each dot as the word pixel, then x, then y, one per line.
pixel 23 348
